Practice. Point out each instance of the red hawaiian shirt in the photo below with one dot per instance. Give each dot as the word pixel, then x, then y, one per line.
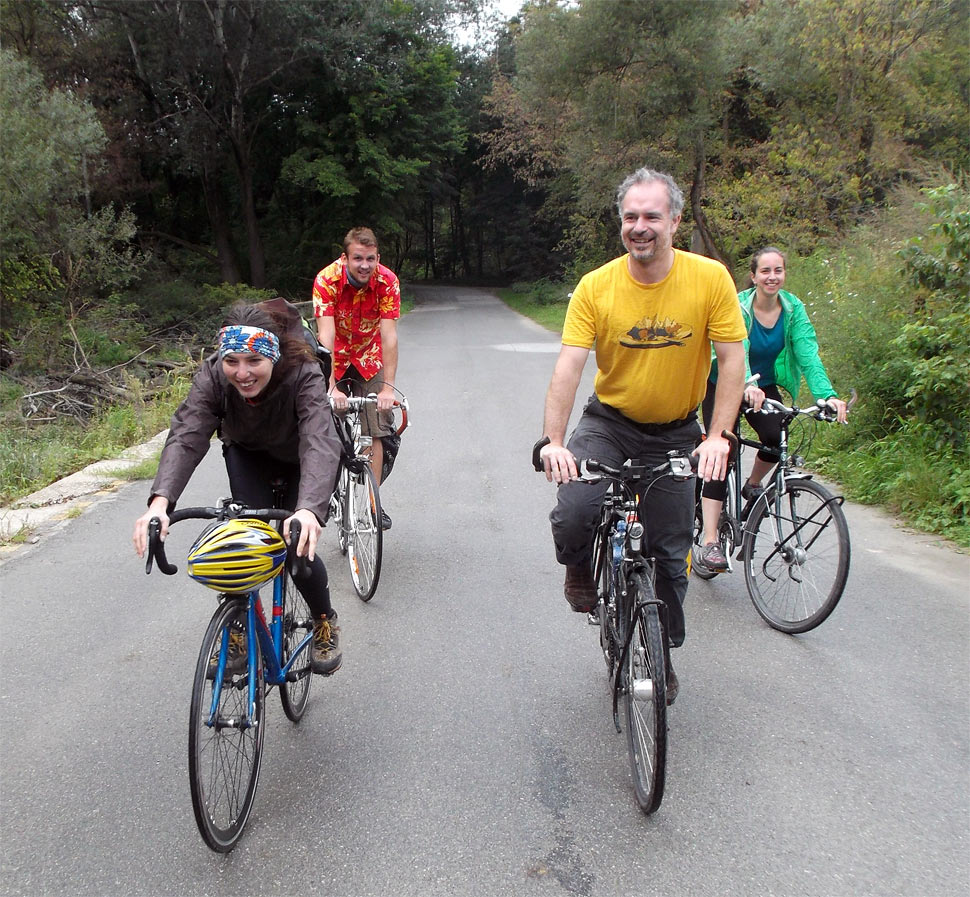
pixel 357 315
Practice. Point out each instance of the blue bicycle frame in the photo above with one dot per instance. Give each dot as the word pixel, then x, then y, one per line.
pixel 270 641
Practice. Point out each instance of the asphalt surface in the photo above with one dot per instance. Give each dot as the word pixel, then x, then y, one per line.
pixel 466 747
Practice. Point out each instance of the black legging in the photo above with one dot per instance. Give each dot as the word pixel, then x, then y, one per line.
pixel 767 426
pixel 251 474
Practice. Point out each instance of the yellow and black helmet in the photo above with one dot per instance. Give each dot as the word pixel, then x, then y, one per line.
pixel 237 555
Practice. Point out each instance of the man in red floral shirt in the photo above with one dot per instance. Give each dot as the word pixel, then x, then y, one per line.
pixel 357 301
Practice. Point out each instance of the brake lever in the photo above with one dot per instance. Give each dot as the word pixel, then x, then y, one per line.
pixel 299 567
pixel 156 549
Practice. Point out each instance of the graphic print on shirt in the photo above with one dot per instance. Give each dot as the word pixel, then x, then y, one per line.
pixel 656 333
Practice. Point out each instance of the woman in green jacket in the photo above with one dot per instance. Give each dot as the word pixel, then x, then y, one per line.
pixel 782 348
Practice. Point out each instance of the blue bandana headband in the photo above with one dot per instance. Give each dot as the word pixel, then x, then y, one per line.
pixel 238 338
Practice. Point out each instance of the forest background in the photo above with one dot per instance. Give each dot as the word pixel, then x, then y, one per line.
pixel 162 158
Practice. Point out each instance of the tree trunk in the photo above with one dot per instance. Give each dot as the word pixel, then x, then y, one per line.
pixel 702 238
pixel 458 234
pixel 221 232
pixel 257 259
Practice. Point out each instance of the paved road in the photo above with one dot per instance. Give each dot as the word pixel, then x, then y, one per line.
pixel 466 747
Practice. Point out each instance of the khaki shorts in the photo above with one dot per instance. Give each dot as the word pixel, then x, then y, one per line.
pixel 372 422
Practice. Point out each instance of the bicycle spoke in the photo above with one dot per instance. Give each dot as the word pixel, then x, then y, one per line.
pixel 796 563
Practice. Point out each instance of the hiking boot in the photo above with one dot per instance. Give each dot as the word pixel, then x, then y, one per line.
pixel 712 557
pixel 673 684
pixel 751 493
pixel 385 520
pixel 580 590
pixel 236 658
pixel 325 654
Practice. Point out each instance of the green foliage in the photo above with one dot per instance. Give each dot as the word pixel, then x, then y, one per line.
pixel 786 120
pixel 906 471
pixel 61 261
pixel 51 143
pixel 179 305
pixel 935 343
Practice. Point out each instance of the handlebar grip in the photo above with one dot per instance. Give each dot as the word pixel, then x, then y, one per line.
pixel 730 437
pixel 536 460
pixel 404 417
pixel 299 567
pixel 156 549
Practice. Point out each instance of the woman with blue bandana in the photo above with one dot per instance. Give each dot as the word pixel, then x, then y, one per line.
pixel 265 395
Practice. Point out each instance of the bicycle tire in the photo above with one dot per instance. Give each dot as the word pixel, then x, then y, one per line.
pixel 605 589
pixel 366 533
pixel 340 510
pixel 794 588
pixel 729 514
pixel 224 759
pixel 645 697
pixel 297 621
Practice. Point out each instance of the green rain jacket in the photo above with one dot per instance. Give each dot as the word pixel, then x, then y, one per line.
pixel 799 356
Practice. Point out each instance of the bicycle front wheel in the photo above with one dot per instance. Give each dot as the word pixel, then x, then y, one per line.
pixel 796 556
pixel 645 698
pixel 297 622
pixel 225 736
pixel 366 533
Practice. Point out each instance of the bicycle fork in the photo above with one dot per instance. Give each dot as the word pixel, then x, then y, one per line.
pixel 253 613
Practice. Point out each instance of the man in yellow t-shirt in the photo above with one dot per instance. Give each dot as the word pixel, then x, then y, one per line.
pixel 652 315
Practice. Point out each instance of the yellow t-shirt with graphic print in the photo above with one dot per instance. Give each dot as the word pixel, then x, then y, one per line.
pixel 653 341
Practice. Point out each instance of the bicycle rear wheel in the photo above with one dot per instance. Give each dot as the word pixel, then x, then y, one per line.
pixel 224 752
pixel 645 697
pixel 606 590
pixel 340 500
pixel 297 622
pixel 366 533
pixel 796 562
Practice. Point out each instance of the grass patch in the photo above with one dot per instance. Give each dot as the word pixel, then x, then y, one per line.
pixel 144 470
pixel 545 302
pixel 35 455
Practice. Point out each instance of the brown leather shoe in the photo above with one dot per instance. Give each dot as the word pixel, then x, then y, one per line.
pixel 579 589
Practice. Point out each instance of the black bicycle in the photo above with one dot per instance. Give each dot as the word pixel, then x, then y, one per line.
pixel 793 539
pixel 632 619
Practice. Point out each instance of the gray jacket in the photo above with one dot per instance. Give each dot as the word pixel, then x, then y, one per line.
pixel 292 423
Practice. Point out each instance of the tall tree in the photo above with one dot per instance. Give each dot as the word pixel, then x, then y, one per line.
pixel 210 72
pixel 57 252
pixel 604 87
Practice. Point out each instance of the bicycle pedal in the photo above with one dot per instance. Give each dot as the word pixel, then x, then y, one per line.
pixel 593 617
